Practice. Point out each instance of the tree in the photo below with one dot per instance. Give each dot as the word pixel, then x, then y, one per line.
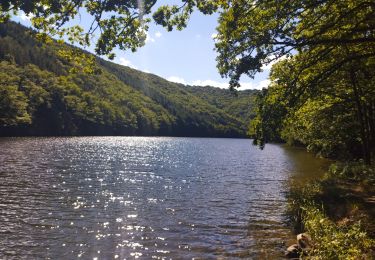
pixel 270 113
pixel 332 116
pixel 323 41
pixel 35 85
pixel 13 102
pixel 121 24
pixel 253 33
pixel 329 52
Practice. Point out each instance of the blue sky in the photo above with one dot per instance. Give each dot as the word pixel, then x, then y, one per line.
pixel 185 56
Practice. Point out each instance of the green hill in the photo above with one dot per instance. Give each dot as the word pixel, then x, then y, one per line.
pixel 239 104
pixel 40 97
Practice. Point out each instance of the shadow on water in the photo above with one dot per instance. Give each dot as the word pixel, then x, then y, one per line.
pixel 305 166
pixel 273 237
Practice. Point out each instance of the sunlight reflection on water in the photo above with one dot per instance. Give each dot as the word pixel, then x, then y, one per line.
pixel 142 197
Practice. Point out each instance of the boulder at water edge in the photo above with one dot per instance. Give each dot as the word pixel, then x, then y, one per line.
pixel 304 240
pixel 294 251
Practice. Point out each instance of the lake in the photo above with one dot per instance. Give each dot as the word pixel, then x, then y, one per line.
pixel 145 197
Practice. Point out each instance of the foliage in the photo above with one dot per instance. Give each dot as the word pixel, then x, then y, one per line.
pixel 322 90
pixel 193 112
pixel 250 34
pixel 41 96
pixel 267 125
pixel 121 24
pixel 354 171
pixel 254 33
pixel 239 104
pixel 332 241
pixel 13 106
pixel 327 126
pixel 332 213
pixel 333 116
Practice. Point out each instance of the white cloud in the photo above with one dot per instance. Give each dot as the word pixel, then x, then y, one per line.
pixel 149 38
pixel 259 85
pixel 124 62
pixel 244 85
pixel 217 84
pixel 25 17
pixel 209 82
pixel 152 38
pixel 176 79
pixel 269 65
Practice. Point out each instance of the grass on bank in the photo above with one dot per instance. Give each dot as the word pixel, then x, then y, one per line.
pixel 338 212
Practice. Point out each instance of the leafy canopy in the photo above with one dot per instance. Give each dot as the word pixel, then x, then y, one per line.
pixel 250 33
pixel 121 24
pixel 325 82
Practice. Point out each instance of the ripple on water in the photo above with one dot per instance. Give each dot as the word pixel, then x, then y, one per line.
pixel 120 197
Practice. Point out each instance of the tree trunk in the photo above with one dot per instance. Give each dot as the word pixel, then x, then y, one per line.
pixel 361 117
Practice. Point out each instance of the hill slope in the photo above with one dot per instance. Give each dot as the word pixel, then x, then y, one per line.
pixel 40 97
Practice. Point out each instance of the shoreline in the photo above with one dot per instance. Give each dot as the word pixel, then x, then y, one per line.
pixel 338 211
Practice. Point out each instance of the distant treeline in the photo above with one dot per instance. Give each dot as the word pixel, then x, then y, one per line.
pixel 39 96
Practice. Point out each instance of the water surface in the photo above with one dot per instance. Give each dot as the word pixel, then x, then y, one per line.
pixel 143 197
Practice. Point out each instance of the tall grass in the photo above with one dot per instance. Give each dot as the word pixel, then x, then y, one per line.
pixel 331 239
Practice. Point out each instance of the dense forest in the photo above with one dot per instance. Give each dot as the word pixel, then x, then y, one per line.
pixel 44 94
pixel 321 94
pixel 324 99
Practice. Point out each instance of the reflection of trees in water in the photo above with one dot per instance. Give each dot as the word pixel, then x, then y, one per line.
pixel 305 165
pixel 271 235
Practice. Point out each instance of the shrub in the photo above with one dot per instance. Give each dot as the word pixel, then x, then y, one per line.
pixel 332 241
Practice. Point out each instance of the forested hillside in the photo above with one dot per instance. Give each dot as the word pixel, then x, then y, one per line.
pixel 41 96
pixel 241 105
